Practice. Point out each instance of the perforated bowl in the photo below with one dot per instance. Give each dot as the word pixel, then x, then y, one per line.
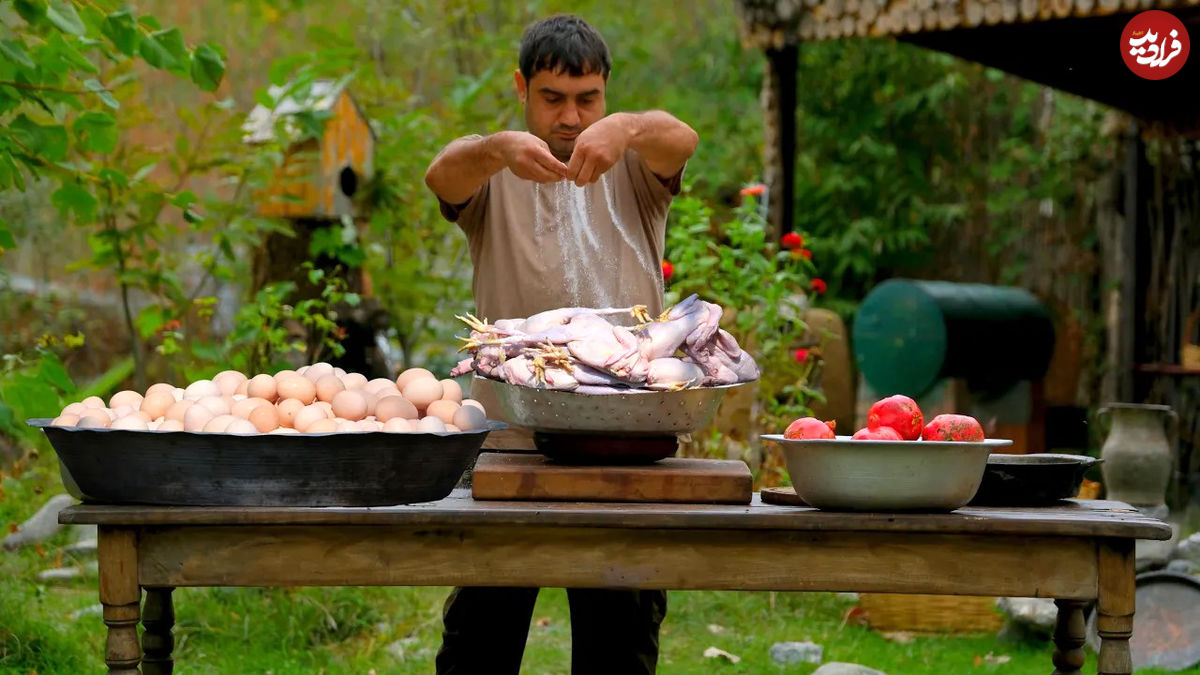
pixel 637 413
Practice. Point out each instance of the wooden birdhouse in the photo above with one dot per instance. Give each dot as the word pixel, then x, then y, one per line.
pixel 320 176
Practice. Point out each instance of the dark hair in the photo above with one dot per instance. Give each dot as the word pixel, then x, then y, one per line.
pixel 563 43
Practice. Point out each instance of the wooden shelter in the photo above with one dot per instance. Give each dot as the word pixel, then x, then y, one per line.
pixel 320 176
pixel 1067 44
pixel 1147 291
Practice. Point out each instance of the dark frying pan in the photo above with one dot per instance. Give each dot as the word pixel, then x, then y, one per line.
pixel 1031 480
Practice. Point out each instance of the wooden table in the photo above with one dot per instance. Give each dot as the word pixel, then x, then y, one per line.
pixel 1076 553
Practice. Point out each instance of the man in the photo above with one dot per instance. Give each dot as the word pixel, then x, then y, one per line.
pixel 570 213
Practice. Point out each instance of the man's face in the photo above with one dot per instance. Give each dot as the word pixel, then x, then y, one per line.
pixel 559 106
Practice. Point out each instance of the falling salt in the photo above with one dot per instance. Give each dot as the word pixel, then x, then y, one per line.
pixel 652 269
pixel 589 252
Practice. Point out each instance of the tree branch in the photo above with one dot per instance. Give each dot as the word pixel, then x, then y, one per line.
pixel 46 87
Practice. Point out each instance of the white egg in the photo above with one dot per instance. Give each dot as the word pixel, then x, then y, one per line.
pixel 130 422
pixel 430 424
pixel 201 389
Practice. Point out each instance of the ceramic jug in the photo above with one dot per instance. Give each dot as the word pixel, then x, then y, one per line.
pixel 1138 456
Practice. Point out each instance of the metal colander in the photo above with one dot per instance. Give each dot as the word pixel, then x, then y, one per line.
pixel 637 413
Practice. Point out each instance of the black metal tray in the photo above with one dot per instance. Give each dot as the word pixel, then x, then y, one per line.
pixel 182 468
pixel 1031 480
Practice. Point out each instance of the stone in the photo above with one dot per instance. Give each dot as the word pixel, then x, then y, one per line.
pixel 840 668
pixel 1188 549
pixel 68 573
pixel 1035 614
pixel 85 547
pixel 90 610
pixel 84 532
pixel 797 652
pixel 41 525
pixel 1183 566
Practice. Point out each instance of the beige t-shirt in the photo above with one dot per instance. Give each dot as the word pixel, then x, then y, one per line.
pixel 543 246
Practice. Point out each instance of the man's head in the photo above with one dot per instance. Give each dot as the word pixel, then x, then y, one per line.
pixel 564 67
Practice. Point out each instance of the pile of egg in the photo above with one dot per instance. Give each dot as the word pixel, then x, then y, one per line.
pixel 317 398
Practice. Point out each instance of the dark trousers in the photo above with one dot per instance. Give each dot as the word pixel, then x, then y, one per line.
pixel 612 632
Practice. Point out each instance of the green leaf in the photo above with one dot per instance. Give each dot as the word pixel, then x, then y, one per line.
pixel 122 30
pixel 97 132
pixel 62 14
pixel 6 237
pixel 149 22
pixel 143 172
pixel 15 51
pixel 154 52
pixel 165 50
pixel 184 199
pixel 93 85
pixel 74 197
pixel 150 319
pixel 114 177
pixel 48 142
pixel 52 371
pixel 207 68
pixel 33 11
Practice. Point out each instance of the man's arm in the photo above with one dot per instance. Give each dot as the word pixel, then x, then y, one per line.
pixel 464 165
pixel 662 141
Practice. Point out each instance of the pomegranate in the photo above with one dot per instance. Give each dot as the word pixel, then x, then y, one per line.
pixel 877 434
pixel 810 427
pixel 953 428
pixel 898 412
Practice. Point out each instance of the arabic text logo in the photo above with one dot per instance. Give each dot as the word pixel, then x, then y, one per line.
pixel 1155 44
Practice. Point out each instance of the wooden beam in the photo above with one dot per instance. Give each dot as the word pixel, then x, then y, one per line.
pixel 569 557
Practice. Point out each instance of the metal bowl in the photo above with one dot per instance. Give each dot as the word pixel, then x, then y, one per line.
pixel 845 475
pixel 183 468
pixel 640 412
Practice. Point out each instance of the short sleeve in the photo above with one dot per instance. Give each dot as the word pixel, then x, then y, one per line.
pixel 653 193
pixel 469 214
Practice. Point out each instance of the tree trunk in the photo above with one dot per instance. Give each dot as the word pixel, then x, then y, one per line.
pixel 779 150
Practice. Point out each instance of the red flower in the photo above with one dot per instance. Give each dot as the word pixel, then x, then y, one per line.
pixel 792 241
pixel 801 355
pixel 806 253
pixel 818 285
pixel 668 270
pixel 753 190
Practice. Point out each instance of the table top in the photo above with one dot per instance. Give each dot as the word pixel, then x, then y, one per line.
pixel 1071 518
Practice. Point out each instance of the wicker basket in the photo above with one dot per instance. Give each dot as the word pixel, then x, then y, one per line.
pixel 892 612
pixel 1189 352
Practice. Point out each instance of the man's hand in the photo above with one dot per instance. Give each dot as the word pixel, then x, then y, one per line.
pixel 529 157
pixel 597 149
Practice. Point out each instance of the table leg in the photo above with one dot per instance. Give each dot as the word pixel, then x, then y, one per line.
pixel 158 618
pixel 120 595
pixel 1114 619
pixel 1070 632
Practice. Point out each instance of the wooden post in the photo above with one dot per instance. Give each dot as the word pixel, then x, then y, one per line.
pixel 1114 619
pixel 119 595
pixel 1070 632
pixel 158 618
pixel 779 104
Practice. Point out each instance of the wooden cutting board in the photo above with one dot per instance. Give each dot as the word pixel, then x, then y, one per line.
pixel 523 476
pixel 784 496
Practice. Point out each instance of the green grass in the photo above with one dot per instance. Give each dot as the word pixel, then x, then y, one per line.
pixel 348 630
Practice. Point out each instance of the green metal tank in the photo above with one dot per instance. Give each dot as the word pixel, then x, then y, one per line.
pixel 909 334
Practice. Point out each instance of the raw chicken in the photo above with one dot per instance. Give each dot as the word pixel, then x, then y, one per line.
pixel 579 349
